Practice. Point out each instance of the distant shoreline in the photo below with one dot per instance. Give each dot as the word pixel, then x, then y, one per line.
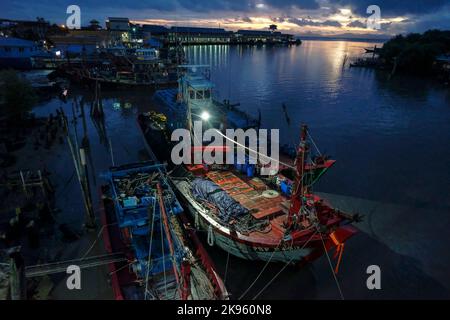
pixel 382 40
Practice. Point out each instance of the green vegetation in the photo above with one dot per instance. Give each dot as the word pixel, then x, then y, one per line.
pixel 416 53
pixel 17 96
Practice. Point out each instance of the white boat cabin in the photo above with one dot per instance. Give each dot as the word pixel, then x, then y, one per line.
pixel 195 88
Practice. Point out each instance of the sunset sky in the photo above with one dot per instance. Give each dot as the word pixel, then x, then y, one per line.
pixel 299 17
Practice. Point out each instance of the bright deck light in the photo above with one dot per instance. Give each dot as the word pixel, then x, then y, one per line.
pixel 205 116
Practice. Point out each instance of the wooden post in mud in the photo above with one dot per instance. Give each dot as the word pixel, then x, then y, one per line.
pixel 97 110
pixel 394 69
pixel 90 222
pixel 79 161
pixel 17 280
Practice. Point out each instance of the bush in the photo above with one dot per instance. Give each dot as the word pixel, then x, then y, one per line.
pixel 17 97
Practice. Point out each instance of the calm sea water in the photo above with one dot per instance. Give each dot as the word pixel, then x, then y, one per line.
pixel 391 140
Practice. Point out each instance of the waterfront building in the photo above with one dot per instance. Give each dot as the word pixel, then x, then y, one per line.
pixel 77 42
pixel 249 36
pixel 118 24
pixel 153 31
pixel 29 29
pixel 119 30
pixel 17 53
pixel 194 35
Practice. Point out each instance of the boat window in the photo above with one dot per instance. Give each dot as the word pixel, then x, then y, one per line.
pixel 21 49
pixel 192 94
pixel 207 94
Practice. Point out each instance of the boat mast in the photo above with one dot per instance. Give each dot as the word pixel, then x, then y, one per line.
pixel 183 293
pixel 298 194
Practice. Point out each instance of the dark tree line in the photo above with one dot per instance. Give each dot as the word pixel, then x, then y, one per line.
pixel 17 96
pixel 415 52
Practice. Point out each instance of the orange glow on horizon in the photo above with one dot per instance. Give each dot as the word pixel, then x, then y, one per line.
pixel 344 17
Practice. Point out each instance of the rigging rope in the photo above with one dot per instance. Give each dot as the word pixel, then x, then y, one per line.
pixel 314 144
pixel 123 267
pixel 150 250
pixel 256 152
pixel 163 254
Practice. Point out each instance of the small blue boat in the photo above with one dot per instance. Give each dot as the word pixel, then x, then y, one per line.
pixel 144 220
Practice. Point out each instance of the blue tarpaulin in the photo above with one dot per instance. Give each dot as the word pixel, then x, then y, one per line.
pixel 209 191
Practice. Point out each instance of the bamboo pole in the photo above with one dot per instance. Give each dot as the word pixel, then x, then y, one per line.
pixel 90 217
pixel 162 207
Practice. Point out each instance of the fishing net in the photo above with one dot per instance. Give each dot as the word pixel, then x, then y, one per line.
pixel 209 191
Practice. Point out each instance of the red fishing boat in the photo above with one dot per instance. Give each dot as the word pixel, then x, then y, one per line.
pixel 270 218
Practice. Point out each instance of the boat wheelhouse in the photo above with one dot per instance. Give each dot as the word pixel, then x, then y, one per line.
pixel 194 98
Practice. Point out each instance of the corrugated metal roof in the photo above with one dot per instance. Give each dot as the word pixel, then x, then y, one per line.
pixel 118 19
pixel 154 28
pixel 258 32
pixel 15 42
pixel 199 30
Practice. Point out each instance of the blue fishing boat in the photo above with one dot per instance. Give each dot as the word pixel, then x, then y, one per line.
pixel 194 95
pixel 144 220
pixel 193 99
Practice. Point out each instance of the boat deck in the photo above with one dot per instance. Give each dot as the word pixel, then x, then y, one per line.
pixel 249 194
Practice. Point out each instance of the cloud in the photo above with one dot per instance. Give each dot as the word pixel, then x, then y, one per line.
pixel 308 22
pixel 421 14
pixel 279 19
pixel 357 24
pixel 300 4
pixel 390 8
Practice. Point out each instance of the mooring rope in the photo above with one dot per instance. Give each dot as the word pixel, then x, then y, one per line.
pixel 331 267
pixel 281 270
pixel 261 272
pixel 96 239
pixel 226 268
